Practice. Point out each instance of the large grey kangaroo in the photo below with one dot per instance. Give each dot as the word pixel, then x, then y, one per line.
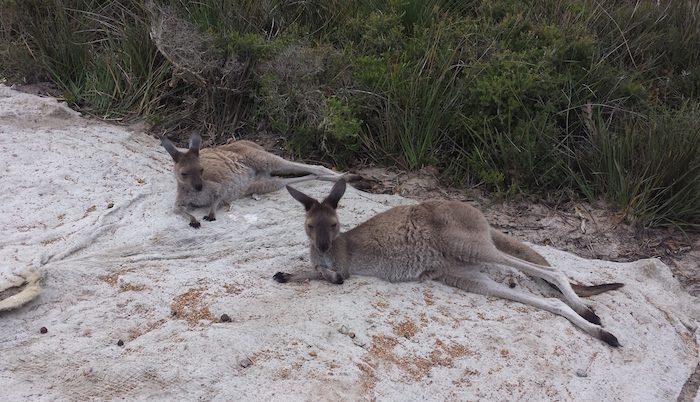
pixel 211 176
pixel 441 240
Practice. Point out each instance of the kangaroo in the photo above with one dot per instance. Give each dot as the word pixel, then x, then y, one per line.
pixel 440 240
pixel 211 176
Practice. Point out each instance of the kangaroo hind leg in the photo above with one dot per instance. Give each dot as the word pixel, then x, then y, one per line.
pixel 263 185
pixel 518 249
pixel 554 277
pixel 472 248
pixel 263 161
pixel 480 283
pixel 284 167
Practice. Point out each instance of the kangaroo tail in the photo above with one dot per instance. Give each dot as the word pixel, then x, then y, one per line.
pixel 586 291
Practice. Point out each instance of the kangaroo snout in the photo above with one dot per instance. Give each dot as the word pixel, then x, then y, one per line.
pixel 321 238
pixel 323 246
pixel 198 186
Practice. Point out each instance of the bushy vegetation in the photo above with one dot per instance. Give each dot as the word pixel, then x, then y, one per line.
pixel 521 96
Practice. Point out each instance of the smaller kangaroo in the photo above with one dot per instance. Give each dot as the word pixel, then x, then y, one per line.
pixel 440 240
pixel 211 176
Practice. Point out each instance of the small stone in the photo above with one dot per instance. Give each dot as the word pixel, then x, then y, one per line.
pixel 43 330
pixel 225 318
pixel 110 205
pixel 256 197
pixel 120 343
pixel 312 354
pixel 245 362
pixel 581 373
pixel 351 334
pixel 173 313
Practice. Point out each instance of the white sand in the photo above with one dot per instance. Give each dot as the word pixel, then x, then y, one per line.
pixel 118 273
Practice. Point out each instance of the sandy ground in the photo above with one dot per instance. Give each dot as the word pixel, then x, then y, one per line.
pixel 133 298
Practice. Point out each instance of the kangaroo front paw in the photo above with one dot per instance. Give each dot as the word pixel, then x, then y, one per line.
pixel 332 277
pixel 195 224
pixel 281 277
pixel 209 218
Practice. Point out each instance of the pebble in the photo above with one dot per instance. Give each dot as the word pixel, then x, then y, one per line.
pixel 581 373
pixel 225 318
pixel 120 343
pixel 312 354
pixel 245 362
pixel 43 330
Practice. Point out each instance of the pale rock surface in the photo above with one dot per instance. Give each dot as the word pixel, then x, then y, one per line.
pixel 88 205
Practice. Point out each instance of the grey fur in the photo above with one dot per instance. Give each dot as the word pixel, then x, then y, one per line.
pixel 441 240
pixel 212 176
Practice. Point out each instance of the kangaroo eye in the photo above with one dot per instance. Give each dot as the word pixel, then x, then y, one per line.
pixel 333 225
pixel 183 174
pixel 201 170
pixel 310 226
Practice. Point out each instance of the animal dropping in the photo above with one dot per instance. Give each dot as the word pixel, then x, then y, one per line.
pixel 211 176
pixel 440 240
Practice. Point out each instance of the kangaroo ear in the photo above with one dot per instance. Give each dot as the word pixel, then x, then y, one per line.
pixel 336 194
pixel 170 147
pixel 195 143
pixel 302 198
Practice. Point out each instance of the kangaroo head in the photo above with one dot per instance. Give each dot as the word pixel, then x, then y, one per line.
pixel 188 170
pixel 321 219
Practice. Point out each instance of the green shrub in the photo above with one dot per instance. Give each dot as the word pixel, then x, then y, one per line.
pixel 649 165
pixel 520 96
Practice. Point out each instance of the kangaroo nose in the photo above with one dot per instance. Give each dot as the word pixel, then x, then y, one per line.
pixel 198 187
pixel 323 247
